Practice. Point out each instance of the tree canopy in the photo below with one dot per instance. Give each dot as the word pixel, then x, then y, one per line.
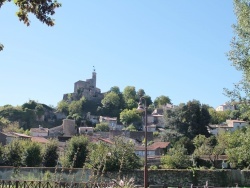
pixel 42 9
pixel 239 55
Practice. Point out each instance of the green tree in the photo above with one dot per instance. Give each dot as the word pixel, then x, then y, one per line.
pixel 103 127
pixel 76 107
pixel 161 101
pixel 63 107
pixel 39 110
pixel 240 57
pixel 218 117
pixel 189 119
pixel 111 104
pixel 237 145
pixel 176 158
pixel 42 10
pixel 207 146
pixel 76 152
pixel 119 156
pixel 140 93
pixel 50 154
pixel 131 127
pixel 32 154
pixel 129 95
pixel 12 155
pixel 129 116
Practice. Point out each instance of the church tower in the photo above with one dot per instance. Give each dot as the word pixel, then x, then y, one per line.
pixel 94 77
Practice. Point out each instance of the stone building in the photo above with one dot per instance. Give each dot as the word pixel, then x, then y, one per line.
pixel 87 89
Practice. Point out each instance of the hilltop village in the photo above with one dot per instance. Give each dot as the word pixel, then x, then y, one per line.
pixel 88 111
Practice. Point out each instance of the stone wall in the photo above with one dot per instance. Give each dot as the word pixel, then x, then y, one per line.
pixel 173 178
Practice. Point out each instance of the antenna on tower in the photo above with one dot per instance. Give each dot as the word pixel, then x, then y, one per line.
pixel 94 68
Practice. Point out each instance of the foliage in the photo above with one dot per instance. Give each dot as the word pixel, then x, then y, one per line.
pixel 237 145
pixel 13 127
pixel 186 142
pixel 207 146
pixel 131 127
pixel 63 107
pixel 39 110
pixel 76 152
pixel 102 127
pixel 111 104
pixel 129 93
pixel 189 119
pixel 129 116
pixel 76 107
pixel 43 10
pixel 119 156
pixel 219 117
pixel 170 135
pixel 12 154
pixel 50 154
pixel 161 101
pixel 176 158
pixel 32 154
pixel 240 57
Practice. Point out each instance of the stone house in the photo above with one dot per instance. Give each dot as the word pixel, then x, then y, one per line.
pixel 6 138
pixel 156 149
pixel 111 121
pixel 86 130
pixel 138 136
pixel 224 107
pixel 43 132
pixel 230 125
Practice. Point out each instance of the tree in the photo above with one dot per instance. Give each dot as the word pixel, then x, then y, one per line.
pixel 207 146
pixel 131 127
pixel 189 119
pixel 76 107
pixel 119 156
pixel 39 110
pixel 76 152
pixel 161 100
pixel 129 95
pixel 103 127
pixel 12 154
pixel 140 93
pixel 50 155
pixel 239 54
pixel 32 154
pixel 63 107
pixel 43 10
pixel 176 158
pixel 111 104
pixel 129 116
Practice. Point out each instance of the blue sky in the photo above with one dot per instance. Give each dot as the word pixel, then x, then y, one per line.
pixel 172 48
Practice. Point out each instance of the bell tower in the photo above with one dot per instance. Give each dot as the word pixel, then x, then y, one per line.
pixel 94 77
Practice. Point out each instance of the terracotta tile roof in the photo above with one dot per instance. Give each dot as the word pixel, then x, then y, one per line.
pixel 154 146
pixel 106 140
pixel 40 140
pixel 21 135
pixel 162 145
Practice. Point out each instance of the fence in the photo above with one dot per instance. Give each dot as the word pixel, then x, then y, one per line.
pixel 45 184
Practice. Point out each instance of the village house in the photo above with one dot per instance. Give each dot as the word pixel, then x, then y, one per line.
pixel 86 130
pixel 6 138
pixel 225 107
pixel 230 125
pixel 42 132
pixel 156 149
pixel 111 121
